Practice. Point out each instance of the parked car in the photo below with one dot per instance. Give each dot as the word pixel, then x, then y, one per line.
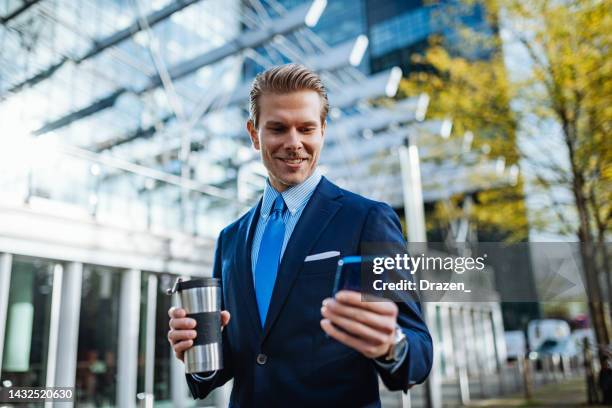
pixel 541 330
pixel 516 345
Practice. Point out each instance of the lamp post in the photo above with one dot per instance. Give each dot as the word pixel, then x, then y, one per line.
pixel 415 221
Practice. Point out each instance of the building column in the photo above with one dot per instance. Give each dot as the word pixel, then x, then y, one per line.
pixel 480 347
pixel 498 332
pixel 447 340
pixel 54 322
pixel 433 384
pixel 469 340
pixel 178 383
pixel 68 326
pixel 150 340
pixel 459 335
pixel 5 283
pixel 127 361
pixel 417 234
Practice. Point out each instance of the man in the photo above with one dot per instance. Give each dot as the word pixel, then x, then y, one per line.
pixel 285 342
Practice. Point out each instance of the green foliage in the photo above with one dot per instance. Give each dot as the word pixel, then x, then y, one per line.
pixel 568 82
pixel 476 95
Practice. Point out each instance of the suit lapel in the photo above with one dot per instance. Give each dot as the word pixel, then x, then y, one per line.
pixel 244 274
pixel 318 213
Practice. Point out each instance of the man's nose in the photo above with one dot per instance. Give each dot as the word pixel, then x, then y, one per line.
pixel 293 139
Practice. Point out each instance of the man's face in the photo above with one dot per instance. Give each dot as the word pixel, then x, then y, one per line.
pixel 290 136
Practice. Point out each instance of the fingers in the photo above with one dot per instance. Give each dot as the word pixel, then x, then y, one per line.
pixel 358 329
pixel 368 349
pixel 367 327
pixel 181 333
pixel 181 340
pixel 184 323
pixel 180 348
pixel 178 320
pixel 353 298
pixel 175 336
pixel 384 323
pixel 176 312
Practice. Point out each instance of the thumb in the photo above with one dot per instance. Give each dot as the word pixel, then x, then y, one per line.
pixel 225 318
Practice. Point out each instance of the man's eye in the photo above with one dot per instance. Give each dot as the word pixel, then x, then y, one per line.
pixel 308 130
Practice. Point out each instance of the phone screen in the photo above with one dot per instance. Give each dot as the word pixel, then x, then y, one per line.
pixel 349 273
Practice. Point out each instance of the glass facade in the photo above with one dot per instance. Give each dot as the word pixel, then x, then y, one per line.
pixel 96 376
pixel 342 20
pixel 26 344
pixel 400 31
pixel 396 29
pixel 30 351
pixel 380 11
pixel 62 86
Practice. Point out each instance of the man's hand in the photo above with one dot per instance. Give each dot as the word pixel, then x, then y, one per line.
pixel 182 330
pixel 369 326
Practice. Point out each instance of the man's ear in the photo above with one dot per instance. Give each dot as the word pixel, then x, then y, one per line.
pixel 253 134
pixel 323 127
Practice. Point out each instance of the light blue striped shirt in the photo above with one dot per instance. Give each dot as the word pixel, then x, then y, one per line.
pixel 295 198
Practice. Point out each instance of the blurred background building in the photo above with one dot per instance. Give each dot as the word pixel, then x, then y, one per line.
pixel 123 154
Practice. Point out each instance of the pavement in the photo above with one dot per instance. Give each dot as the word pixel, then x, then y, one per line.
pixel 569 393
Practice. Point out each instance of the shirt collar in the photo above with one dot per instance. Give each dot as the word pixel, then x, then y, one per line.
pixel 295 197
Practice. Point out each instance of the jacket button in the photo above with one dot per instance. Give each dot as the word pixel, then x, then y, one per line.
pixel 262 359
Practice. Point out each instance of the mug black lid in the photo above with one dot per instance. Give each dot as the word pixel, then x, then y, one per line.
pixel 198 283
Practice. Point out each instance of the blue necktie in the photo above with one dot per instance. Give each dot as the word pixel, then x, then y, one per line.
pixel 268 258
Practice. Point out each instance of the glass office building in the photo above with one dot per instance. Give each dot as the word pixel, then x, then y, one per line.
pixel 123 154
pixel 396 29
pixel 78 89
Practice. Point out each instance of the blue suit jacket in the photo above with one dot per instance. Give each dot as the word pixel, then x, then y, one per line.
pixel 304 367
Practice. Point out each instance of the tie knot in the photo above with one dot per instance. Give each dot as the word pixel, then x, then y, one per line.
pixel 278 206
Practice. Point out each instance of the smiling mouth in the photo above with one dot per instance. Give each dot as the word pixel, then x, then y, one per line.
pixel 293 160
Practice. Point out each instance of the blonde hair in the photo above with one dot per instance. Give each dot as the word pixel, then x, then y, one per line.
pixel 284 79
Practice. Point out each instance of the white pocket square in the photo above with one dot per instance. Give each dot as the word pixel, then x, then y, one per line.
pixel 322 255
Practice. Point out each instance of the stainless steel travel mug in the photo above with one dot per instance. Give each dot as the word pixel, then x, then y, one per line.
pixel 201 299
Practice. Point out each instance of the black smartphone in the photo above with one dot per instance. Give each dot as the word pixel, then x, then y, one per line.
pixel 348 274
pixel 351 273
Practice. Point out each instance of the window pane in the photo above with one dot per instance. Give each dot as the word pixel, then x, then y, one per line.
pixel 161 369
pixel 98 336
pixel 27 326
pixel 162 347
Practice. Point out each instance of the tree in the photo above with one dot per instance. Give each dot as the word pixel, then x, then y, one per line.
pixel 560 92
pixel 475 94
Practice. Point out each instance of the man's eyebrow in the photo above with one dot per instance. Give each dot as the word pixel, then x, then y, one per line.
pixel 277 123
pixel 274 123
